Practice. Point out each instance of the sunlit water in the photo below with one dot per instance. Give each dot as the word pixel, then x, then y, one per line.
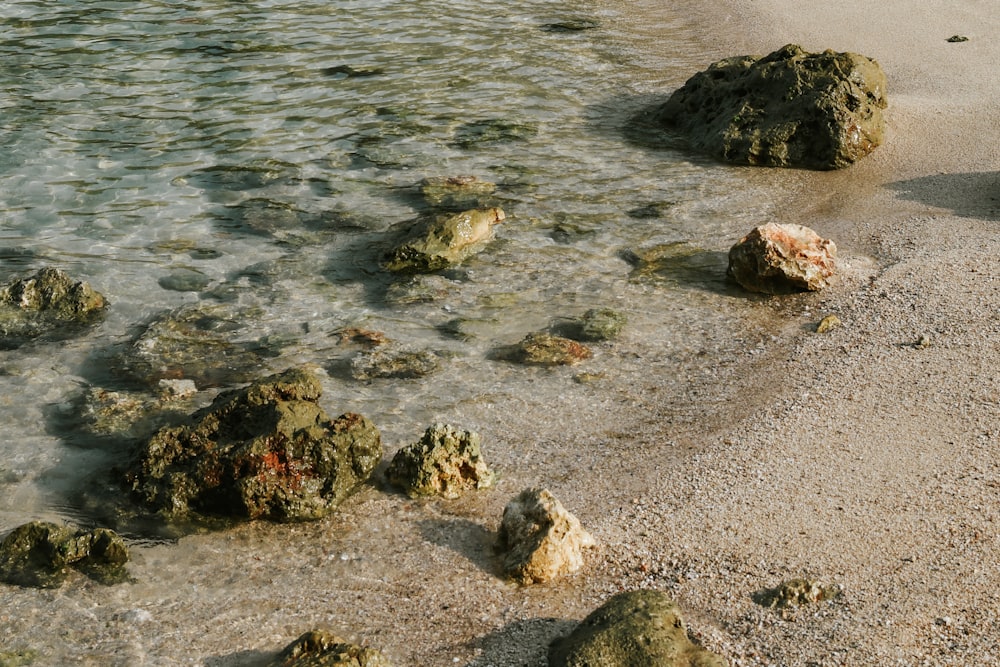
pixel 253 157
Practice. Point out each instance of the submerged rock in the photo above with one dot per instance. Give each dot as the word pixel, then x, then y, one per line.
pixel 632 629
pixel 544 349
pixel 265 451
pixel 595 325
pixel 48 305
pixel 318 648
pixel 494 131
pixel 445 462
pixel 788 109
pixel 796 592
pixel 394 363
pixel 40 554
pixel 457 193
pixel 444 241
pixel 539 539
pixel 781 259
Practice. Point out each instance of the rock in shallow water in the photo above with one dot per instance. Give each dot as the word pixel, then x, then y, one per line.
pixel 40 554
pixel 445 462
pixel 444 241
pixel 48 305
pixel 632 629
pixel 781 259
pixel 788 109
pixel 265 451
pixel 317 648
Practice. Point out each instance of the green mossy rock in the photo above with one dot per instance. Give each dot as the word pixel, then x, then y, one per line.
pixel 317 648
pixel 267 451
pixel 445 462
pixel 632 629
pixel 444 241
pixel 48 305
pixel 787 109
pixel 41 554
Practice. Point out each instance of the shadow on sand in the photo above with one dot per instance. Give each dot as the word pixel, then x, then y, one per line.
pixel 969 195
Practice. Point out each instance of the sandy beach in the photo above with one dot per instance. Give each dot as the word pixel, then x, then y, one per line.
pixel 864 457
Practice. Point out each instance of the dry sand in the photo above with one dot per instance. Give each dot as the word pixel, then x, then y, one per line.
pixel 860 457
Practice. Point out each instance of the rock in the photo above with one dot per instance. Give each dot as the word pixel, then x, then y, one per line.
pixel 457 193
pixel 265 451
pixel 366 338
pixel 389 363
pixel 49 305
pixel 571 25
pixel 598 324
pixel 317 648
pixel 632 629
pixel 957 39
pixel 828 323
pixel 795 592
pixel 781 259
pixel 543 349
pixel 788 109
pixel 444 241
pixel 40 554
pixel 127 414
pixel 494 131
pixel 199 343
pixel 540 540
pixel 445 462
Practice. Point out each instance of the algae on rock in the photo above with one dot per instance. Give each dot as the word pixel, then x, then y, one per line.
pixel 40 554
pixel 265 451
pixel 445 462
pixel 318 648
pixel 50 305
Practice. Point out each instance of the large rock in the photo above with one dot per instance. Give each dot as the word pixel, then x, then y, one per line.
pixel 539 539
pixel 781 259
pixel 632 629
pixel 48 305
pixel 443 241
pixel 41 554
pixel 445 462
pixel 788 109
pixel 318 648
pixel 265 451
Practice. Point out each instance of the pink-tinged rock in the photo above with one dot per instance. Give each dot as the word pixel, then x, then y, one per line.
pixel 781 259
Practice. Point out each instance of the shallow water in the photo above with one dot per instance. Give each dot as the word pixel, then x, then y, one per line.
pixel 254 158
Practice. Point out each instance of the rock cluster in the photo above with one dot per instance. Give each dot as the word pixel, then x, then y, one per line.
pixel 539 539
pixel 781 259
pixel 444 240
pixel 265 451
pixel 633 629
pixel 787 109
pixel 445 462
pixel 318 648
pixel 48 305
pixel 41 554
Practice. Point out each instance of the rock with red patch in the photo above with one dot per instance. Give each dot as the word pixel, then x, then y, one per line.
pixel 782 259
pixel 267 451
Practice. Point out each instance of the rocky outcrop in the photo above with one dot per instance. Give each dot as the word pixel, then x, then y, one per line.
pixel 788 109
pixel 540 541
pixel 445 462
pixel 48 305
pixel 781 259
pixel 443 241
pixel 632 629
pixel 267 451
pixel 318 648
pixel 796 592
pixel 41 554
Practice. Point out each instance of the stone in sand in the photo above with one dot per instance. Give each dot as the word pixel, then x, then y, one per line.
pixel 445 462
pixel 781 259
pixel 40 554
pixel 632 629
pixel 318 648
pixel 539 539
pixel 265 451
pixel 788 109
pixel 796 592
pixel 48 305
pixel 444 241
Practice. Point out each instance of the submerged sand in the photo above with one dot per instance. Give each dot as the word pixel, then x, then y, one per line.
pixel 864 457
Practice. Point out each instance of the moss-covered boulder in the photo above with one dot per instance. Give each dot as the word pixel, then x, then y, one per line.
pixel 632 629
pixel 443 241
pixel 267 451
pixel 318 648
pixel 48 305
pixel 445 462
pixel 787 109
pixel 42 554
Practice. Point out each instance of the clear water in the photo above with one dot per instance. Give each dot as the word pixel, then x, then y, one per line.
pixel 263 151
